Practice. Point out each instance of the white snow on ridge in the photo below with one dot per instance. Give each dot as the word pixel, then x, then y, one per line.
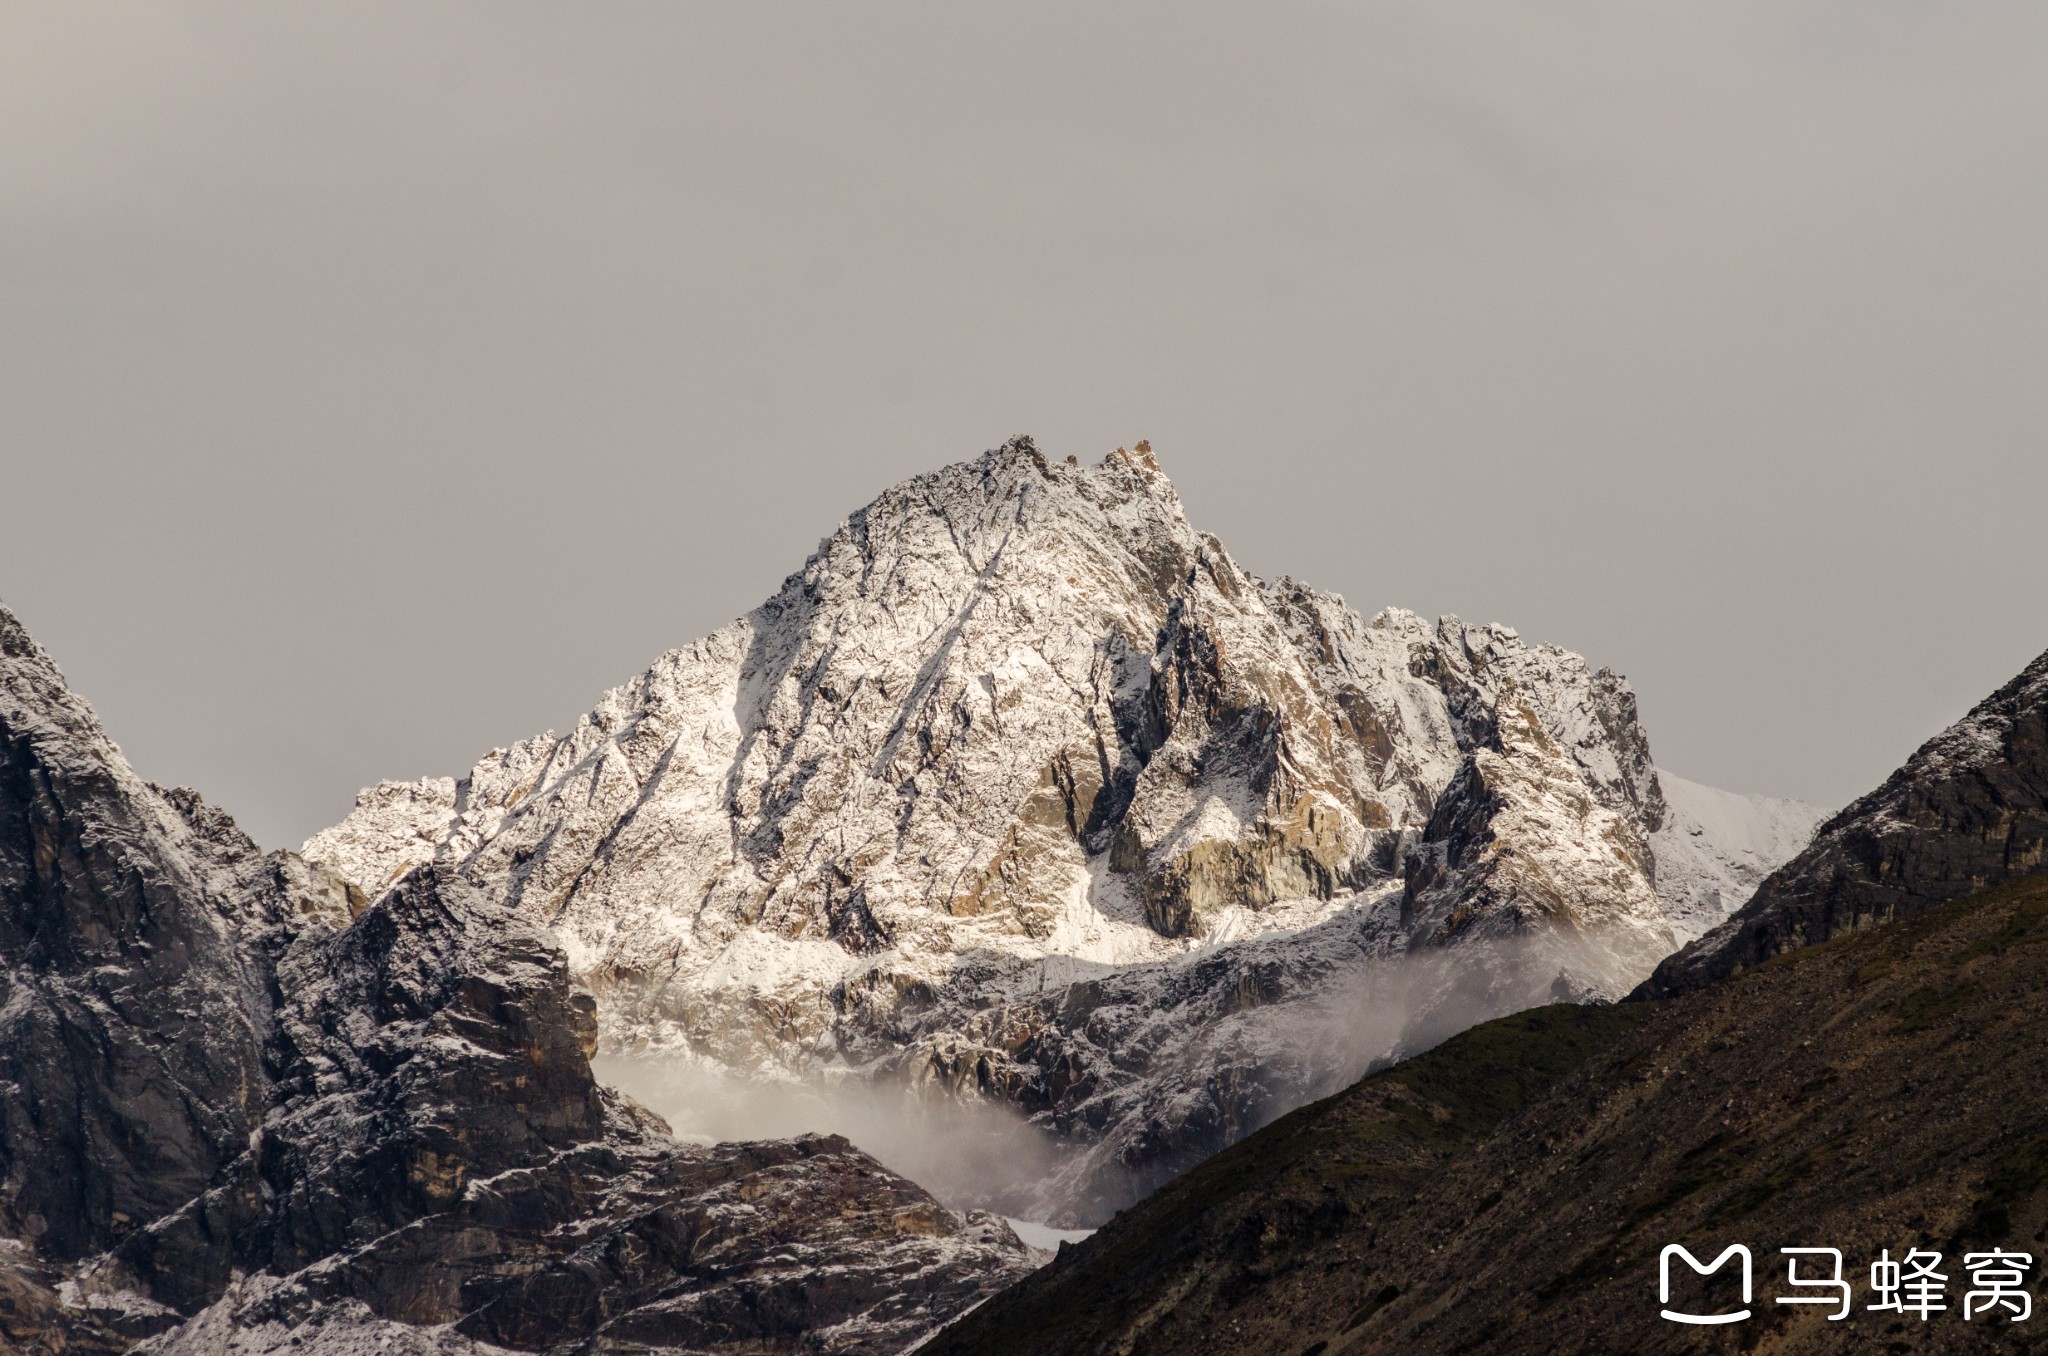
pixel 1044 1237
pixel 1715 847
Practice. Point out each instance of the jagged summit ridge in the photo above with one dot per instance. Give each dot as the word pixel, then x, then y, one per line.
pixel 1018 724
pixel 1001 647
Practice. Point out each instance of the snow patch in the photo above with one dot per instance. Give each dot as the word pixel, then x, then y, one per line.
pixel 1714 849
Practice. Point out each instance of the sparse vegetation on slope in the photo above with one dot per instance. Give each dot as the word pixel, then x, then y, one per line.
pixel 1510 1191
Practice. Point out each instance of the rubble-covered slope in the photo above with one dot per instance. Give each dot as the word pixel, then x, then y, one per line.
pixel 1968 810
pixel 247 1109
pixel 1019 757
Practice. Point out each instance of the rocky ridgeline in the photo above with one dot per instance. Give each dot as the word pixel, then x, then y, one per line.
pixel 1022 789
pixel 1968 810
pixel 245 1108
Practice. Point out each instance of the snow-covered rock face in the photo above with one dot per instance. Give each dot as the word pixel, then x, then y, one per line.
pixel 1017 727
pixel 1715 848
pixel 1520 842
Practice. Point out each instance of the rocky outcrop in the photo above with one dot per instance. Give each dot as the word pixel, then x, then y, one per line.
pixel 1016 727
pixel 120 921
pixel 441 1155
pixel 248 1109
pixel 1968 810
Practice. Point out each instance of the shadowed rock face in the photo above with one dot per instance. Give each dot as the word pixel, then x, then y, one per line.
pixel 243 1109
pixel 118 928
pixel 441 1155
pixel 1968 810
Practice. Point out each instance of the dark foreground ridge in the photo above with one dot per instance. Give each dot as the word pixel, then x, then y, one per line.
pixel 1846 1085
pixel 1967 811
pixel 243 1109
pixel 1510 1191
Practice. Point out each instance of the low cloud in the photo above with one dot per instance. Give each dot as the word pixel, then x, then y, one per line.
pixel 971 1155
pixel 1262 1061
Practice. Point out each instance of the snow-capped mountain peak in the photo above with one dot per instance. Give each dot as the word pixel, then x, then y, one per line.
pixel 1017 726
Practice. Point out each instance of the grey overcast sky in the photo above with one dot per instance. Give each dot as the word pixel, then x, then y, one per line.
pixel 380 382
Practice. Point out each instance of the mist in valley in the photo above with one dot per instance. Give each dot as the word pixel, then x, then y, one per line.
pixel 979 1154
pixel 970 1154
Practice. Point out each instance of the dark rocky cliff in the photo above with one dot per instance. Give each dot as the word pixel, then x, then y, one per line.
pixel 119 1105
pixel 1967 811
pixel 242 1109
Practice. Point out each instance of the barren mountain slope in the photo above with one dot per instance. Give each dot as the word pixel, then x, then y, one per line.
pixel 1511 1190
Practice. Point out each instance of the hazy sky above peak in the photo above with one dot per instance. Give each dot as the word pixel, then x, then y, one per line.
pixel 381 382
